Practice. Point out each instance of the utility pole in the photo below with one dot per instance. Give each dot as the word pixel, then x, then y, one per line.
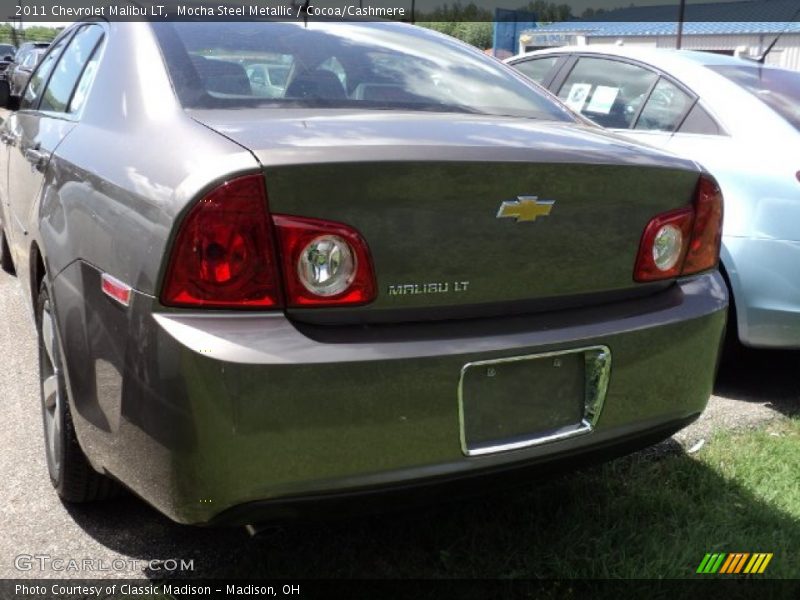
pixel 14 38
pixel 681 16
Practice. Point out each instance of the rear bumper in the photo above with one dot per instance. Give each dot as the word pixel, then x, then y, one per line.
pixel 765 276
pixel 199 414
pixel 424 492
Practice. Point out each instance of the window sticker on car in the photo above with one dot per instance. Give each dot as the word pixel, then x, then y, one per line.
pixel 602 99
pixel 577 95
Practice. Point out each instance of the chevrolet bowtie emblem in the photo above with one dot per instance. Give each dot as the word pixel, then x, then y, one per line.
pixel 525 208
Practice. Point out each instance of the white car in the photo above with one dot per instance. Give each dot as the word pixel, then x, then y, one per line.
pixel 741 121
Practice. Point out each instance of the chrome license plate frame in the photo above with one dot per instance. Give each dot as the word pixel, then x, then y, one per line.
pixel 597 372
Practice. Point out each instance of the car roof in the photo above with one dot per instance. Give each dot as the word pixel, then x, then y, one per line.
pixel 658 57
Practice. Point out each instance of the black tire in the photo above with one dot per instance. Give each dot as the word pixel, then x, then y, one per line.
pixel 5 92
pixel 70 472
pixel 732 348
pixel 6 263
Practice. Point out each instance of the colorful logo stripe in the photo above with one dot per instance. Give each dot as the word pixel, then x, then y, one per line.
pixel 734 563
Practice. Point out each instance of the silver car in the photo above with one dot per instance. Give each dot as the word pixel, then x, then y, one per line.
pixel 408 271
pixel 20 70
pixel 741 121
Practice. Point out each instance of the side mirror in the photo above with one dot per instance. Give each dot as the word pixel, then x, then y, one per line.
pixel 8 58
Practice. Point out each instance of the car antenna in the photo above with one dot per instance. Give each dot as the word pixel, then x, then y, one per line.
pixel 305 13
pixel 763 56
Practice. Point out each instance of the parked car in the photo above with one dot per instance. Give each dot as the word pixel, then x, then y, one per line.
pixel 7 52
pixel 412 271
pixel 20 71
pixel 19 55
pixel 741 121
pixel 27 47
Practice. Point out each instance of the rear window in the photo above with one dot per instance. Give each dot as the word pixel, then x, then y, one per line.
pixel 340 65
pixel 777 88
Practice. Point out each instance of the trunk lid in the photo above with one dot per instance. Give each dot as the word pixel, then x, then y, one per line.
pixel 454 208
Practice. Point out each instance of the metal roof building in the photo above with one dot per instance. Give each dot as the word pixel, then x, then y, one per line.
pixel 727 28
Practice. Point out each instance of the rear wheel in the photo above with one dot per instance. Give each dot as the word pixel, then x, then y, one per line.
pixel 5 254
pixel 732 348
pixel 70 472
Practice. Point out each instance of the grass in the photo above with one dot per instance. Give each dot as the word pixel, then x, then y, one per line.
pixel 651 515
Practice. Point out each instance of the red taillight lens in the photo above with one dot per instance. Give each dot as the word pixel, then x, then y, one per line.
pixel 223 255
pixel 707 234
pixel 656 262
pixel 683 241
pixel 324 263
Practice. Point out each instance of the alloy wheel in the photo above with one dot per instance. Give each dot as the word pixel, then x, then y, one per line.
pixel 52 391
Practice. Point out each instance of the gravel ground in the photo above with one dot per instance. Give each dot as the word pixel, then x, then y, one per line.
pixel 758 386
pixel 763 386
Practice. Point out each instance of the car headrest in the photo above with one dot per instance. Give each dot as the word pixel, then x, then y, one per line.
pixel 222 76
pixel 319 85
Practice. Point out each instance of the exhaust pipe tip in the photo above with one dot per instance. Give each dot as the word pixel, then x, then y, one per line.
pixel 255 530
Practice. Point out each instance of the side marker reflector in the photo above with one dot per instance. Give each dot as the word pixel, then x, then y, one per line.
pixel 115 289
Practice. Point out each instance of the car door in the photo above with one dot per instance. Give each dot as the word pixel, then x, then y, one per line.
pixel 541 69
pixel 609 92
pixel 44 118
pixel 21 130
pixel 627 97
pixel 703 138
pixel 664 113
pixel 13 66
pixel 22 72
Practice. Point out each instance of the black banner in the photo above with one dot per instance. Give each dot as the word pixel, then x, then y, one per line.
pixel 542 11
pixel 733 587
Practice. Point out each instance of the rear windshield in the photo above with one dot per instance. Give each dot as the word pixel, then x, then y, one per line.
pixel 777 88
pixel 340 65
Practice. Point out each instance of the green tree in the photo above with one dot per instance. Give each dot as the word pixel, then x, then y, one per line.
pixel 35 33
pixel 477 33
pixel 549 12
pixel 590 12
pixel 456 13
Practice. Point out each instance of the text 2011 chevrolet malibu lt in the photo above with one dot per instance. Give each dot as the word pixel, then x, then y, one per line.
pixel 278 265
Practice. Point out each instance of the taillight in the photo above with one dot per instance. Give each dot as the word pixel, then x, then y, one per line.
pixel 223 255
pixel 663 246
pixel 324 263
pixel 683 241
pixel 707 234
pixel 228 253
